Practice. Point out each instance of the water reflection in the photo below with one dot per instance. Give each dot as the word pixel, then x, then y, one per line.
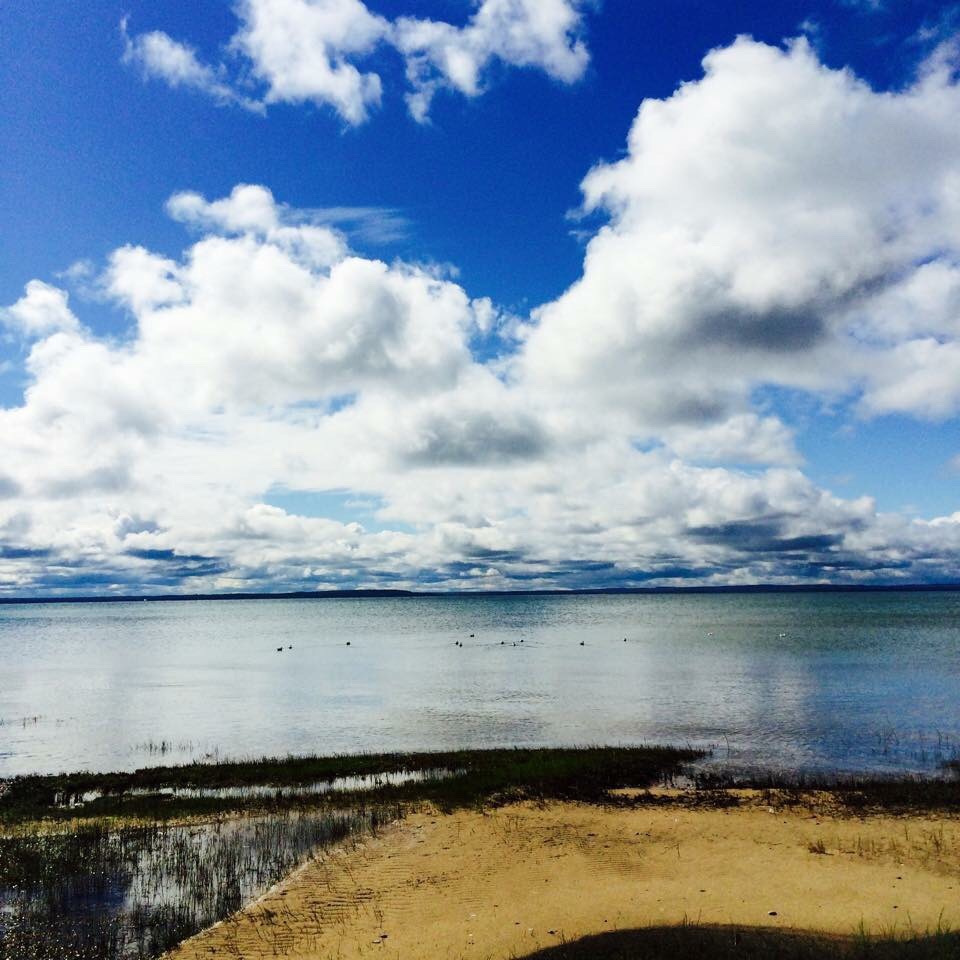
pixel 355 784
pixel 783 679
pixel 116 895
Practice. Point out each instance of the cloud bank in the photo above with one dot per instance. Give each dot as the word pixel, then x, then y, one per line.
pixel 774 224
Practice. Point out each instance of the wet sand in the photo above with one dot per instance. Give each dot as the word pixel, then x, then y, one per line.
pixel 509 881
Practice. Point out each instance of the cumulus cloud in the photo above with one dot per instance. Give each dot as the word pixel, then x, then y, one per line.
pixel 248 209
pixel 251 209
pixel 259 316
pixel 523 33
pixel 142 279
pixel 481 438
pixel 41 310
pixel 313 51
pixel 269 309
pixel 773 224
pixel 920 376
pixel 741 438
pixel 159 57
pixel 301 50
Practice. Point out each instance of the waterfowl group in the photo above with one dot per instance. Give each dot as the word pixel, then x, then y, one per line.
pixel 503 643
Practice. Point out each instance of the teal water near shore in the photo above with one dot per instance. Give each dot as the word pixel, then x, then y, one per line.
pixel 804 681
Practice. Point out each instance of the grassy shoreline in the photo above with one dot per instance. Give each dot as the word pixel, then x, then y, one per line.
pixel 559 773
pixel 62 868
pixel 480 777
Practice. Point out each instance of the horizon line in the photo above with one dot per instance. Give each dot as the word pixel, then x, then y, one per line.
pixel 398 593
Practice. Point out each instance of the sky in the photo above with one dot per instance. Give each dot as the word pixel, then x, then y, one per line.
pixel 478 294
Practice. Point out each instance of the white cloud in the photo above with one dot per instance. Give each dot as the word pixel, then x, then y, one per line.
pixel 523 33
pixel 920 376
pixel 924 302
pixel 262 310
pixel 251 209
pixel 142 279
pixel 313 50
pixel 300 49
pixel 41 310
pixel 773 224
pixel 160 57
pixel 742 438
pixel 377 225
pixel 776 222
pixel 240 350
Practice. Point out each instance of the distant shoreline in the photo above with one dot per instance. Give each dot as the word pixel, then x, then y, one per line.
pixel 459 594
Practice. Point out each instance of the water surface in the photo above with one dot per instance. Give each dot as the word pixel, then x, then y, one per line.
pixel 837 681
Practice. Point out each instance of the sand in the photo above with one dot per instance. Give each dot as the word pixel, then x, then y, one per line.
pixel 509 881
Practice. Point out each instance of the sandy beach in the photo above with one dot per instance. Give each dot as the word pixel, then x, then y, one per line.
pixel 510 881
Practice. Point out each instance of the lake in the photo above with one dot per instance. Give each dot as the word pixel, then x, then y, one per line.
pixel 861 681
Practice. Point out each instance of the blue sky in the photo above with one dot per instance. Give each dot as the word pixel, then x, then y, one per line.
pixel 455 453
pixel 90 153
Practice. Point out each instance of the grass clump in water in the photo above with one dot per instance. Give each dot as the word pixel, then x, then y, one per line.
pixel 484 776
pixel 892 794
pixel 104 894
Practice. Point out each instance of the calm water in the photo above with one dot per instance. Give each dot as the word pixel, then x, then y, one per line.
pixel 849 681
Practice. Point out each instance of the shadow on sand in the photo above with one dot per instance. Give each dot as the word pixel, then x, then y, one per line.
pixel 696 942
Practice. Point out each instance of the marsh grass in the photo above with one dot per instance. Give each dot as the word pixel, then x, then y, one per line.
pixel 924 747
pixel 893 794
pixel 134 871
pixel 129 875
pixel 488 776
pixel 104 894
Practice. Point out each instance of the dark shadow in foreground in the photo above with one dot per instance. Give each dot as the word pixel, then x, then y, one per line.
pixel 701 942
